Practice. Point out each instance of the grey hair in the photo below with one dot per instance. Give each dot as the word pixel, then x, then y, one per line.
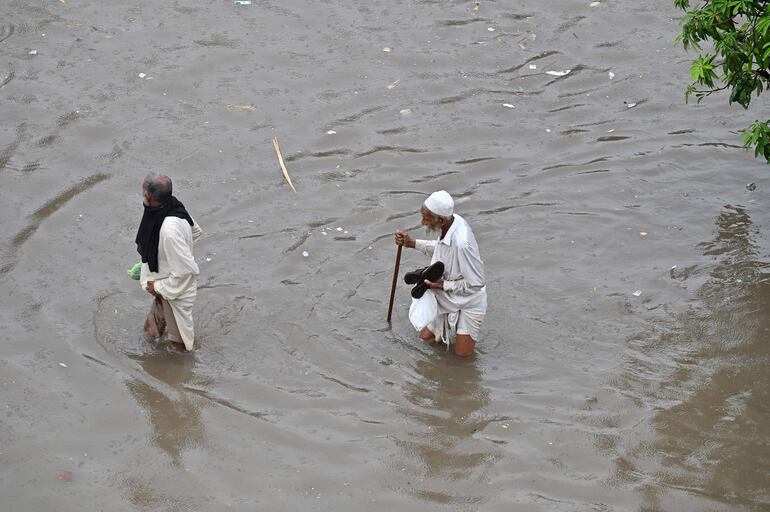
pixel 158 186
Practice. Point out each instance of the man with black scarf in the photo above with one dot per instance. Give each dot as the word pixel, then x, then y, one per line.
pixel 169 272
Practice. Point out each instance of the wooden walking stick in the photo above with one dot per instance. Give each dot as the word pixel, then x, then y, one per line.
pixel 395 280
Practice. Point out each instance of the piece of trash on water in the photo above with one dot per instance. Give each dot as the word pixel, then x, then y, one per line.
pixel 611 75
pixel 637 293
pixel 476 6
pixel 242 2
pixel 558 73
pixel 491 29
pixel 339 228
pixel 751 187
pixel 673 267
pixel 142 75
pixel 62 365
pixel 283 166
pixel 331 132
pixel 642 233
pixel 391 86
pixel 629 105
pixel 405 112
pixel 305 254
pixel 508 105
pixel 548 130
pixel 533 66
pixel 594 4
pixel 33 52
pixel 387 49
pixel 65 476
pixel 247 107
pixel 611 130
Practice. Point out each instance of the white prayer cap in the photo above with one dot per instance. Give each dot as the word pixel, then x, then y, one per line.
pixel 440 203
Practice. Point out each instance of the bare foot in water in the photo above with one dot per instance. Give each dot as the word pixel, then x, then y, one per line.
pixel 178 345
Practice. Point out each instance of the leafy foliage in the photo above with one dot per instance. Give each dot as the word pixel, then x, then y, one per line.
pixel 739 33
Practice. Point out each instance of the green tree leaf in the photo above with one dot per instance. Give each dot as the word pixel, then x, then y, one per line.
pixel 739 32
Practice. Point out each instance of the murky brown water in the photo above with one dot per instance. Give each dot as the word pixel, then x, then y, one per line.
pixel 583 396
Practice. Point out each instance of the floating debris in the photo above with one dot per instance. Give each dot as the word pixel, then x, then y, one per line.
pixel 642 233
pixel 548 130
pixel 391 86
pixel 508 105
pixel 637 293
pixel 611 75
pixel 630 105
pixel 405 112
pixel 751 187
pixel 65 476
pixel 533 66
pixel 283 166
pixel 387 49
pixel 558 73
pixel 594 4
pixel 339 228
pixel 242 2
pixel 305 254
pixel 142 75
pixel 33 52
pixel 331 132
pixel 248 107
pixel 63 365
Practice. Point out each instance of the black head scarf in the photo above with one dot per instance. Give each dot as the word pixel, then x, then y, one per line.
pixel 148 236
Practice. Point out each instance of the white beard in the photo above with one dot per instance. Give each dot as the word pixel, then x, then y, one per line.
pixel 432 233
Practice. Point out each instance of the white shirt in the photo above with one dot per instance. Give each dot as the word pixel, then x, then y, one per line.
pixel 177 269
pixel 464 285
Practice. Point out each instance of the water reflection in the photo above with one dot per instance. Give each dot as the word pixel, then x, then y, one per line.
pixel 713 442
pixel 447 398
pixel 176 421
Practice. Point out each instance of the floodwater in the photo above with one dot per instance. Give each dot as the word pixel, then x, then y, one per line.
pixel 587 188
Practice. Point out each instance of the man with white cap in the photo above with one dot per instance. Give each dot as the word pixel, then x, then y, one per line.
pixel 461 292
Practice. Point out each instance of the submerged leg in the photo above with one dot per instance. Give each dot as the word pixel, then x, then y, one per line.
pixel 427 335
pixel 464 345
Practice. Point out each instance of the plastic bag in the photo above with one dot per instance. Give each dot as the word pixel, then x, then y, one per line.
pixel 423 310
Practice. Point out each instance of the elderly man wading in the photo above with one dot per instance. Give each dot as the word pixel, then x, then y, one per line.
pixel 169 272
pixel 461 291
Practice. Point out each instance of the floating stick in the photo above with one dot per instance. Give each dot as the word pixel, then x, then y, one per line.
pixel 280 161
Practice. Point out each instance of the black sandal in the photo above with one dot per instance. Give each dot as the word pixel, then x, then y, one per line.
pixel 432 274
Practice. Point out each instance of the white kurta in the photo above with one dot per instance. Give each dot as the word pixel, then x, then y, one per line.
pixel 464 285
pixel 176 278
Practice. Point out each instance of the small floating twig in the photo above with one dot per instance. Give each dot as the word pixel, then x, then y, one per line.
pixel 280 161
